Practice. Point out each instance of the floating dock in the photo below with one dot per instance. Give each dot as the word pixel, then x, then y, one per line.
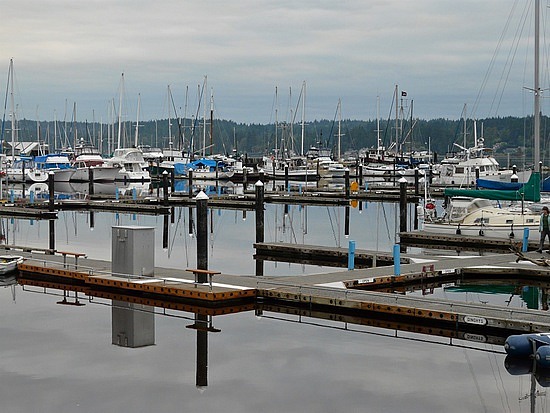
pixel 346 293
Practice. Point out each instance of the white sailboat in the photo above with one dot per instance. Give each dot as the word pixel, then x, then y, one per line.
pixel 475 216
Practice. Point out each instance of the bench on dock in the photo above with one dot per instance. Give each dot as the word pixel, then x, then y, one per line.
pixel 196 272
pixel 76 255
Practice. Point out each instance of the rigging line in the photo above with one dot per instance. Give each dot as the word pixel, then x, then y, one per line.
pixel 499 383
pixel 176 228
pixel 292 232
pixel 386 222
pixel 478 389
pixel 509 62
pixel 331 225
pixel 493 59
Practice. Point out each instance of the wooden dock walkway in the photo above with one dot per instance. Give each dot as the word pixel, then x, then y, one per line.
pixel 339 292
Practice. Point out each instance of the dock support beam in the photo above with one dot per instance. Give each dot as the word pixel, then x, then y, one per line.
pixel 346 179
pixel 202 235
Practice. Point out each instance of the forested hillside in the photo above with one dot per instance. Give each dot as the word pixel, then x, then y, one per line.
pixel 508 135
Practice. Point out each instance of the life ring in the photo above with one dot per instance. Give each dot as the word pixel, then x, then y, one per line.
pixel 430 205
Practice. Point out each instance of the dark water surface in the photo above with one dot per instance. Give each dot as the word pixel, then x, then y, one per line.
pixel 60 358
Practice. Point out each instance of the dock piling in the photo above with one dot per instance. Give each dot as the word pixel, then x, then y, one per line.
pixel 202 235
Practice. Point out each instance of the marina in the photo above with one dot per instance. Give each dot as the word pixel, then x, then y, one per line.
pixel 200 264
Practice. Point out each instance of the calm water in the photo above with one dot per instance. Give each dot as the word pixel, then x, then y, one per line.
pixel 60 358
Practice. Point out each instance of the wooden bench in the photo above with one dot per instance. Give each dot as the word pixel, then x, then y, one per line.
pixel 198 272
pixel 74 254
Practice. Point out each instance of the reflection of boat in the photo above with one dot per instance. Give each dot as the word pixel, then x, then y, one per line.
pixel 8 263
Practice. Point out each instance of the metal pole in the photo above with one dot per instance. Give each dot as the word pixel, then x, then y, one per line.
pixel 165 187
pixel 202 235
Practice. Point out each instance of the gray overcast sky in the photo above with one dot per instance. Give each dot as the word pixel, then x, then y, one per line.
pixel 439 51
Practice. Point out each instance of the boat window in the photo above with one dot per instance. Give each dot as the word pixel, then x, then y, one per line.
pixel 530 220
pixel 481 221
pixel 509 221
pixel 459 170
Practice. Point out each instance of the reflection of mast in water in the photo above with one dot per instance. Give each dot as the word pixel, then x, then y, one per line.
pixel 518 366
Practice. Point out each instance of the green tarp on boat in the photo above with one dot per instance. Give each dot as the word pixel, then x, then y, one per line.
pixel 528 192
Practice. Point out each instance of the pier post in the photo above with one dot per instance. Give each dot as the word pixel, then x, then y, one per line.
pixel 92 220
pixel 351 255
pixel 165 232
pixel 261 174
pixel 190 177
pixel 32 197
pixel 51 191
pixel 245 178
pixel 202 235
pixel 259 211
pixel 165 187
pixel 360 175
pixel 90 180
pixel 346 184
pixel 477 176
pixel 260 188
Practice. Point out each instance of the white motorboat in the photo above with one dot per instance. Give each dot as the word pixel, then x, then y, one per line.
pixel 8 263
pixel 481 217
pixel 131 164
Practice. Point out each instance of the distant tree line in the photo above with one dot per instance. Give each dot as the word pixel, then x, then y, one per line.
pixel 510 137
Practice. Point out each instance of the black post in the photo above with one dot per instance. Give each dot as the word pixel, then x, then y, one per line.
pixel 259 211
pixel 245 178
pixel 347 182
pixel 190 177
pixel 402 207
pixel 92 220
pixel 346 222
pixel 52 235
pixel 260 222
pixel 51 192
pixel 165 187
pixel 90 180
pixel 202 235
pixel 165 232
pixel 477 176
pixel 360 175
pixel 201 379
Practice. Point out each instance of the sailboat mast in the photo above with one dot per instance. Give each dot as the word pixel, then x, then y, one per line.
pixel 137 121
pixel 120 111
pixel 537 87
pixel 303 117
pixel 339 128
pixel 211 121
pixel 13 126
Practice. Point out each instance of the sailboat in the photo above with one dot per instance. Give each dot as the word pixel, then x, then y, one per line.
pixel 470 212
pixel 130 160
